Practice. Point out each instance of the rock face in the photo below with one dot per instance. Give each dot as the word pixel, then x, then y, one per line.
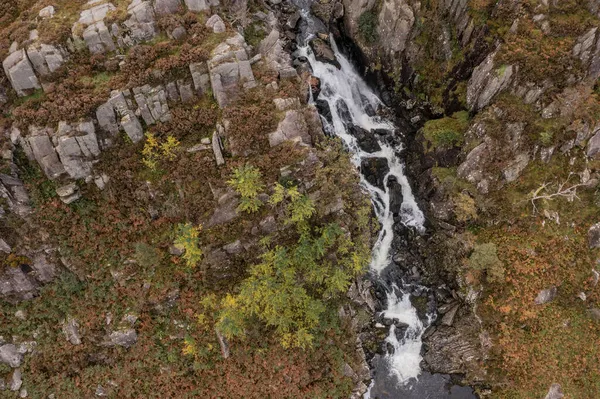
pixel 23 282
pixel 396 20
pixel 95 34
pixel 487 81
pixel 272 50
pixel 292 127
pixel 140 24
pixel 76 147
pixel 20 72
pixel 229 70
pixel 587 49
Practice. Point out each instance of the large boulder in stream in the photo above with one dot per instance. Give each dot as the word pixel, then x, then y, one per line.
pixel 323 52
pixel 395 193
pixel 366 140
pixel 375 170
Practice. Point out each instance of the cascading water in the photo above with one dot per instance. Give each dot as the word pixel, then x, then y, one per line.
pixel 350 105
pixel 350 101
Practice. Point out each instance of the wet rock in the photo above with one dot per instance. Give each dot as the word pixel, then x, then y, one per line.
pixel 20 73
pixel 323 52
pixel 324 110
pixel 71 330
pixel 375 170
pixel 395 193
pixel 555 392
pixel 594 236
pixel 545 296
pixel 10 355
pixel 366 140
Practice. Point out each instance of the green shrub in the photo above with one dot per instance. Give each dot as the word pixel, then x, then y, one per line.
pixel 367 26
pixel 247 181
pixel 187 239
pixel 484 259
pixel 446 132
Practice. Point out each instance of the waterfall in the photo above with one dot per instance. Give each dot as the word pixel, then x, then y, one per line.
pixel 351 102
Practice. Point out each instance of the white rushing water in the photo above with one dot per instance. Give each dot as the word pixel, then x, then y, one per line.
pixel 346 85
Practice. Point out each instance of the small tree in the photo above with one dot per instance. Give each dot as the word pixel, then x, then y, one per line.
pixel 246 180
pixel 155 150
pixel 187 239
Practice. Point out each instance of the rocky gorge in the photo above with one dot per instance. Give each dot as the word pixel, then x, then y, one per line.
pixel 126 123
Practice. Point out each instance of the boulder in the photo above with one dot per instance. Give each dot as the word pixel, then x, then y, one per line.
pixel 16 380
pixel 374 170
pixel 366 140
pixel 197 5
pixel 226 209
pixel 163 7
pixel 292 127
pixel 46 12
pixel 71 330
pixel 45 58
pixel 20 72
pixel 10 355
pixel 68 193
pixel 107 120
pixel 98 38
pixel 125 338
pixel 216 24
pixel 594 236
pixel 555 392
pixel 545 296
pixel 593 146
pixel 200 76
pixel 323 52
